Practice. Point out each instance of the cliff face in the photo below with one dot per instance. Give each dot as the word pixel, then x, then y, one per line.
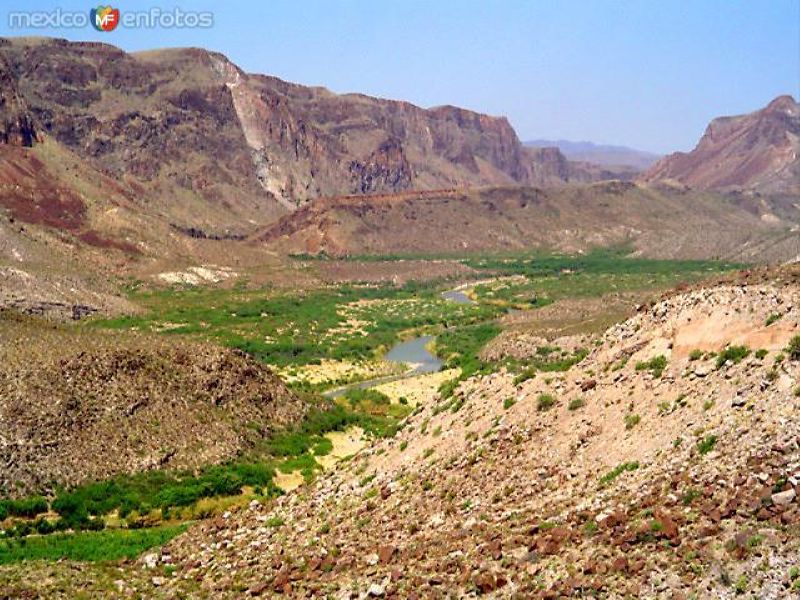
pixel 756 151
pixel 202 141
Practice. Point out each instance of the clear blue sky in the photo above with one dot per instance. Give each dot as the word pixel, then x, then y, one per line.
pixel 644 73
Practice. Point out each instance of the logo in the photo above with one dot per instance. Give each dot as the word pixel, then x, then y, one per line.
pixel 104 18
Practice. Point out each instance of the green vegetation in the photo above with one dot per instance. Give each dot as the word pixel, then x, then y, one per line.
pixel 26 507
pixel 695 354
pixel 508 403
pixel 632 421
pixel 609 477
pixel 707 444
pixel 793 349
pixel 87 545
pixel 576 403
pixel 302 327
pixel 655 365
pixel 773 318
pixel 735 354
pixel 545 402
pixel 761 353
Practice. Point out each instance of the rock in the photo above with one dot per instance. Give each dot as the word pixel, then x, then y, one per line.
pixel 371 559
pixel 702 370
pixel 150 560
pixel 376 590
pixel 385 553
pixel 784 498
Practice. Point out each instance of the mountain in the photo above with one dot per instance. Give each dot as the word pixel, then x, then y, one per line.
pixel 198 141
pixel 658 222
pixel 600 154
pixel 757 151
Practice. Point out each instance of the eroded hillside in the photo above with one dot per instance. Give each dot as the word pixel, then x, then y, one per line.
pixel 82 405
pixel 665 463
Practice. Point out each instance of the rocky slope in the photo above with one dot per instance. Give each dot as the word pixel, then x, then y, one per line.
pixel 622 481
pixel 81 405
pixel 756 151
pixel 665 223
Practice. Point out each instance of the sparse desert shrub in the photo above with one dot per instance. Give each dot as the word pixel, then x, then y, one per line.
pixel 525 375
pixel 509 402
pixel 695 354
pixel 655 365
pixel 793 349
pixel 576 403
pixel 761 353
pixel 735 354
pixel 617 471
pixel 632 421
pixel 707 444
pixel 545 402
pixel 773 318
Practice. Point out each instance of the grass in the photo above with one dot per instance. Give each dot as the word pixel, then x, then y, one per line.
pixel 88 545
pixel 609 477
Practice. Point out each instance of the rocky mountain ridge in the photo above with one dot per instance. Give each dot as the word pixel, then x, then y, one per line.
pixel 757 151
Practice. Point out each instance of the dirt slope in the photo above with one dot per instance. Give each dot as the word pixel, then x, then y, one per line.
pixel 665 223
pixel 78 405
pixel 502 498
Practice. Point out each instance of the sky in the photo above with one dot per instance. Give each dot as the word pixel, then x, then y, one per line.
pixel 648 74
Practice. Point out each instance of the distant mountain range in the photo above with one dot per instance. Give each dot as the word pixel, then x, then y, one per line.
pixel 600 154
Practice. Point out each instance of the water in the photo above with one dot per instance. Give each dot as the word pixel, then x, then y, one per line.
pixel 415 354
pixel 458 297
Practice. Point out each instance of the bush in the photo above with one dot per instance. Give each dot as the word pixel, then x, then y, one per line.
pixel 793 349
pixel 761 353
pixel 545 402
pixel 617 471
pixel 508 403
pixel 695 354
pixel 24 507
pixel 772 318
pixel 632 421
pixel 576 403
pixel 707 444
pixel 735 354
pixel 655 365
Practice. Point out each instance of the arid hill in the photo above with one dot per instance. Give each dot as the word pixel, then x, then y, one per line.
pixel 665 464
pixel 82 405
pixel 666 223
pixel 756 151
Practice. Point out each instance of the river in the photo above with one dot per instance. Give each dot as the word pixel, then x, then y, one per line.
pixel 411 352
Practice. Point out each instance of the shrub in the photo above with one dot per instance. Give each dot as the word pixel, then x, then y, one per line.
pixel 576 403
pixel 508 403
pixel 695 354
pixel 545 402
pixel 617 471
pixel 632 421
pixel 735 354
pixel 707 444
pixel 761 353
pixel 772 318
pixel 655 365
pixel 527 374
pixel 793 349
